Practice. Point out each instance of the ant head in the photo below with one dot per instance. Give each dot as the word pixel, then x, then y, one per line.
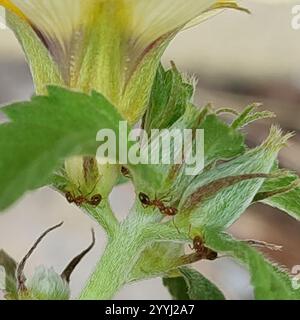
pixel 198 242
pixel 69 197
pixel 96 200
pixel 125 172
pixel 144 198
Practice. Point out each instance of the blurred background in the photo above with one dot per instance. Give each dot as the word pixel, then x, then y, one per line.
pixel 237 59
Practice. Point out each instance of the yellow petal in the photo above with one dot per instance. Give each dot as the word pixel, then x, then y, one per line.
pixel 215 9
pixel 56 19
pixel 154 18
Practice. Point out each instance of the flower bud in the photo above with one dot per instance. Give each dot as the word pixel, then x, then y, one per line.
pixel 88 177
pixel 46 284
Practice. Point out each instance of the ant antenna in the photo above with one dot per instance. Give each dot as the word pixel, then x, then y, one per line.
pixel 20 269
pixel 94 187
pixel 79 187
pixel 66 274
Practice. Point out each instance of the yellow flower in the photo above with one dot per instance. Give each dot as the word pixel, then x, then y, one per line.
pixel 112 46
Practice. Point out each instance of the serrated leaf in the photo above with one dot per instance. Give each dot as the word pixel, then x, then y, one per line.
pixel 221 142
pixel 159 177
pixel 226 206
pixel 45 131
pixel 270 282
pixel 192 285
pixel 169 97
pixel 250 115
pixel 286 193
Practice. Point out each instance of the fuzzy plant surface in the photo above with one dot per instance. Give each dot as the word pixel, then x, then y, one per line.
pixel 50 140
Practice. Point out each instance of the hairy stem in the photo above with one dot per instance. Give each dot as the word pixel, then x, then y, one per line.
pixel 104 216
pixel 125 245
pixel 113 270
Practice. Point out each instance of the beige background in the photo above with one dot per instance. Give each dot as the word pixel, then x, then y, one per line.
pixel 237 59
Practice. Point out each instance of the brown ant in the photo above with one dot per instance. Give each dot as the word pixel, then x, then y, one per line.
pixel 201 250
pixel 80 200
pixel 147 202
pixel 94 201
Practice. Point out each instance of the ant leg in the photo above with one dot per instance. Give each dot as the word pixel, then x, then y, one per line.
pixel 79 187
pixel 173 220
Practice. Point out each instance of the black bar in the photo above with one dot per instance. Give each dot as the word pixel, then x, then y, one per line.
pixel 146 309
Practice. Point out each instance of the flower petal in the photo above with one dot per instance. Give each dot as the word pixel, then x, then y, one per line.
pixel 215 9
pixel 60 25
pixel 154 18
pixel 55 18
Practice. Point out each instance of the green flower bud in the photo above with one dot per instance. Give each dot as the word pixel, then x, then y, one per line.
pixel 46 284
pixel 88 178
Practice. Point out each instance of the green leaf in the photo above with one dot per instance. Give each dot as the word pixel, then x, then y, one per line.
pixel 177 287
pixel 192 286
pixel 170 95
pixel 171 107
pixel 222 208
pixel 10 282
pixel 160 177
pixel 286 194
pixel 250 115
pixel 158 259
pixel 269 280
pixel 221 141
pixel 45 131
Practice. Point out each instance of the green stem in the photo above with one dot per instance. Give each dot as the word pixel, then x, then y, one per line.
pixel 125 245
pixel 113 270
pixel 105 217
